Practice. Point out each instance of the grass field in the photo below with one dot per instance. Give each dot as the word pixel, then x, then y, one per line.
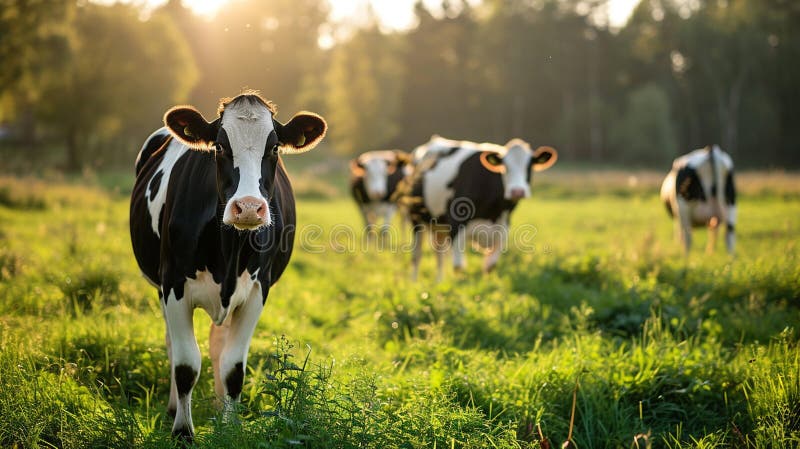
pixel 593 307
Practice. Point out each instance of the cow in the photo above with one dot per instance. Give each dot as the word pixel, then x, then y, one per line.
pixel 464 191
pixel 374 178
pixel 212 221
pixel 700 191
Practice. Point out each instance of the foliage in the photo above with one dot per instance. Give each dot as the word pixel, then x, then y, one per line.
pixel 441 79
pixel 672 352
pixel 15 195
pixel 44 405
pixel 94 79
pixel 360 88
pixel 34 47
pixel 270 46
pixel 86 104
pixel 644 131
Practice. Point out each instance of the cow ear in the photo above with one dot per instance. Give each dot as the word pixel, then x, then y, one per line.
pixel 188 125
pixel 356 168
pixel 544 158
pixel 302 133
pixel 492 162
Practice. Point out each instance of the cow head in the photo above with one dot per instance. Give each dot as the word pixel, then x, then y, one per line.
pixel 247 142
pixel 376 167
pixel 516 165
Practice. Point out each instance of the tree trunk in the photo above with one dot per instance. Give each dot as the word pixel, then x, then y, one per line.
pixel 595 127
pixel 27 129
pixel 728 104
pixel 568 116
pixel 73 163
pixel 731 128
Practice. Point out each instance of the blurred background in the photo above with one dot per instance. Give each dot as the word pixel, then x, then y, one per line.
pixel 610 83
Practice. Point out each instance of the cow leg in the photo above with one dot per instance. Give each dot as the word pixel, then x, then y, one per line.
pixel 217 337
pixel 498 247
pixel 368 214
pixel 686 237
pixel 730 229
pixel 730 216
pixel 684 224
pixel 416 248
pixel 439 265
pixel 184 361
pixel 459 249
pixel 388 213
pixel 677 226
pixel 491 258
pixel 364 215
pixel 172 405
pixel 233 355
pixel 713 228
pixel 439 243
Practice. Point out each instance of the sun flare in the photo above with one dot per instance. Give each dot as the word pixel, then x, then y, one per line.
pixel 393 14
pixel 205 7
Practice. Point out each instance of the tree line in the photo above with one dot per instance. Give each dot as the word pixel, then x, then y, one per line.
pixel 83 84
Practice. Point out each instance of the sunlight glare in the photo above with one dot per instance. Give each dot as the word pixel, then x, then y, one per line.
pixel 399 14
pixel 393 15
pixel 207 8
pixel 620 10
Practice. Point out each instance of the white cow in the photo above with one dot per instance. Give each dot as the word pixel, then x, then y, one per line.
pixel 212 225
pixel 374 179
pixel 699 191
pixel 465 192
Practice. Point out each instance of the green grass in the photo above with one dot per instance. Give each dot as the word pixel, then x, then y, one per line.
pixel 666 352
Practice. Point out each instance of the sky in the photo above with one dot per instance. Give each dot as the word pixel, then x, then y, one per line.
pixel 394 14
pixel 398 14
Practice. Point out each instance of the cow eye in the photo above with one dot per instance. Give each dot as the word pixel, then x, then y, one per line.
pixel 275 149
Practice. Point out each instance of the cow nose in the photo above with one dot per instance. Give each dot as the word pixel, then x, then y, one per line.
pixel 517 193
pixel 249 210
pixel 377 194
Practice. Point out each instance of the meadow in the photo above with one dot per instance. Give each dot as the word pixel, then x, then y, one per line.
pixel 593 329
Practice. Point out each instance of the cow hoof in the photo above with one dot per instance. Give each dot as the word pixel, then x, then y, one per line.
pixel 184 436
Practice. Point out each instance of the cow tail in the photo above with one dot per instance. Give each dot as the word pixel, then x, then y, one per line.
pixel 715 186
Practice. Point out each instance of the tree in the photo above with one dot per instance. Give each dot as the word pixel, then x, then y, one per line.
pixel 363 92
pixel 549 73
pixel 121 75
pixel 269 46
pixel 722 46
pixel 644 135
pixel 35 38
pixel 729 68
pixel 443 77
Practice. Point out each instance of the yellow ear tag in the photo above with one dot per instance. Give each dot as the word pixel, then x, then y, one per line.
pixel 301 140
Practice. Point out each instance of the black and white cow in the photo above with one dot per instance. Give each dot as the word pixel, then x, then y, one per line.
pixel 374 178
pixel 699 191
pixel 465 191
pixel 212 224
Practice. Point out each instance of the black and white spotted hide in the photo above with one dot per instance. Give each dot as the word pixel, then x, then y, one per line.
pixel 212 223
pixel 699 191
pixel 464 192
pixel 374 179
